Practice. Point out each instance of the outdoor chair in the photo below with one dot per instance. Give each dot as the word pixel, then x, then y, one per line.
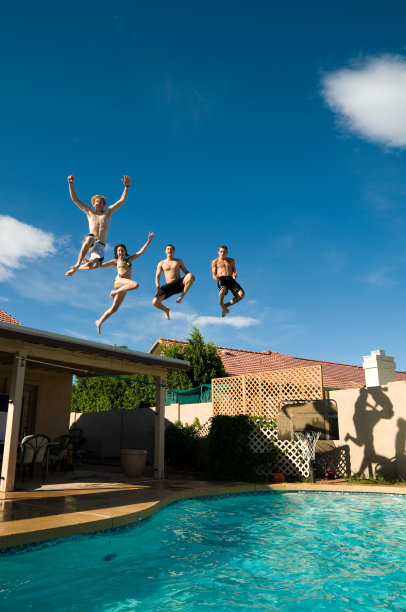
pixel 58 453
pixel 33 452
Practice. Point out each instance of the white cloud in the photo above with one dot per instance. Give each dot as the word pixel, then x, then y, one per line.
pixel 203 320
pixel 20 243
pixel 237 322
pixel 5 273
pixel 370 99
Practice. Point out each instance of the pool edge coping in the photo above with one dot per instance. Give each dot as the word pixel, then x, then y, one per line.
pixel 97 522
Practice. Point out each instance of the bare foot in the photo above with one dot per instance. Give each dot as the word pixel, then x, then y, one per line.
pixel 180 298
pixel 167 313
pixel 71 271
pixel 113 294
pixel 225 311
pixel 98 325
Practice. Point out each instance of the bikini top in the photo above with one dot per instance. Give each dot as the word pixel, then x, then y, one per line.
pixel 124 264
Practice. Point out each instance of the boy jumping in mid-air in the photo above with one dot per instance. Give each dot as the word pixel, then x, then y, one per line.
pixel 224 272
pixel 99 221
pixel 171 268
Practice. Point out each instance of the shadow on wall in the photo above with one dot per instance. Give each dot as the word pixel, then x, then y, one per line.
pixel 372 406
pixel 109 432
pixel 336 458
pixel 400 445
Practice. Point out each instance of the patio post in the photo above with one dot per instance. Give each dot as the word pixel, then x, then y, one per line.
pixel 13 424
pixel 159 422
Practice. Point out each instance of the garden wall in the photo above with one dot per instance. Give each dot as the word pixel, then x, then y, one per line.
pixel 109 432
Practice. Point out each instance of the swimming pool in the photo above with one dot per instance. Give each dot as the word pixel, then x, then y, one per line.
pixel 272 551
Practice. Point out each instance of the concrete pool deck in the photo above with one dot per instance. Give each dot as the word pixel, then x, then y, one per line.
pixel 86 501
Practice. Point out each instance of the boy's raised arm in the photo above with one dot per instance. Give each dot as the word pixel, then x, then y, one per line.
pixel 74 197
pixel 127 181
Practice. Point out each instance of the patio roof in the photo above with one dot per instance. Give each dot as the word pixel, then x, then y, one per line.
pixel 83 357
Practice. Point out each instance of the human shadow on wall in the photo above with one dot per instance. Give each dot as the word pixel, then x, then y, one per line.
pixel 400 446
pixel 397 468
pixel 371 406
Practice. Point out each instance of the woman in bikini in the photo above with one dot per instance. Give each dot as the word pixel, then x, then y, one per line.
pixel 123 282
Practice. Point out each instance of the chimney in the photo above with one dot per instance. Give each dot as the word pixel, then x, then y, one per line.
pixel 380 369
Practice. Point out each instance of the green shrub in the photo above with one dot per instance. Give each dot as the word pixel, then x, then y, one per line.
pixel 182 444
pixel 268 460
pixel 229 455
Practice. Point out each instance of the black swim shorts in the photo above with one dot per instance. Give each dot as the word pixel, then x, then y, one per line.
pixel 171 288
pixel 230 284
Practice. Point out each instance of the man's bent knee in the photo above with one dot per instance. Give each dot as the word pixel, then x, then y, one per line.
pixel 88 241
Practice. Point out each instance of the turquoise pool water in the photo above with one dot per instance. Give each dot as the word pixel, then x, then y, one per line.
pixel 292 551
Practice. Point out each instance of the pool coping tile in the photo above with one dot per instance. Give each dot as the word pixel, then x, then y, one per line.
pixel 28 517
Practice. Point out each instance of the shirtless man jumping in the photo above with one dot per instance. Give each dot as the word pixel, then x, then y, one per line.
pixel 171 268
pixel 224 272
pixel 99 221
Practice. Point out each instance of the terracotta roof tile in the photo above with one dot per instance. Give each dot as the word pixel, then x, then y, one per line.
pixel 6 318
pixel 238 361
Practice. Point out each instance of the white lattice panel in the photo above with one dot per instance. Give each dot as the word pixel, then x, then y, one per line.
pixel 292 462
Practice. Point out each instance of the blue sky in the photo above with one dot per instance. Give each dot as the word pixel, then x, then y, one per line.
pixel 278 129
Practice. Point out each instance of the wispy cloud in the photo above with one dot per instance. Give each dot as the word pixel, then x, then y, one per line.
pixel 381 277
pixel 369 98
pixel 21 243
pixel 336 260
pixel 386 198
pixel 187 102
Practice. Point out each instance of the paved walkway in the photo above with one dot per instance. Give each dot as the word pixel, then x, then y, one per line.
pixel 87 501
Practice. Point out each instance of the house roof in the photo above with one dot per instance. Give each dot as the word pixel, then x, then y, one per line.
pixel 6 318
pixel 237 362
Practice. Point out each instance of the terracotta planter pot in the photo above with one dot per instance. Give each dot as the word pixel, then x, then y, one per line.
pixel 278 477
pixel 133 461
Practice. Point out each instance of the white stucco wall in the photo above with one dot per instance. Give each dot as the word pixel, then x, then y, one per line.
pixel 372 425
pixel 109 432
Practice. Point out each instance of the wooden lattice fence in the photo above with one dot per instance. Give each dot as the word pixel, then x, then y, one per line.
pixel 261 394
